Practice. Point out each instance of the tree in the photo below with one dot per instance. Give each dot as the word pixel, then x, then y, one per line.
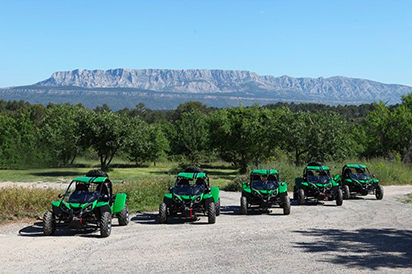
pixel 191 135
pixel 60 131
pixel 106 132
pixel 244 135
pixel 146 143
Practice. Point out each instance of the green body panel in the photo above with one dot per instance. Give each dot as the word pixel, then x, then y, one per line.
pixel 119 203
pixel 214 191
pixel 283 187
pixel 265 171
pixel 56 203
pixel 191 175
pixel 168 195
pixel 246 187
pixel 317 168
pixel 90 179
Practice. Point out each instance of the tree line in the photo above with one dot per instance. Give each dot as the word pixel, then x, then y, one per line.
pixel 56 134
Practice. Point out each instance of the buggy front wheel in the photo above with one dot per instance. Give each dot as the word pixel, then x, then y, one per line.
pixel 346 192
pixel 49 223
pixel 339 197
pixel 379 192
pixel 243 205
pixel 286 205
pixel 105 224
pixel 301 196
pixel 218 207
pixel 211 213
pixel 162 213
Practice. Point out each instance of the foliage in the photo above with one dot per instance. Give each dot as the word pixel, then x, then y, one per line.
pixel 106 133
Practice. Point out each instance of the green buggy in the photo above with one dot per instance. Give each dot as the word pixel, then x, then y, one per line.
pixel 264 191
pixel 87 203
pixel 356 179
pixel 317 184
pixel 190 196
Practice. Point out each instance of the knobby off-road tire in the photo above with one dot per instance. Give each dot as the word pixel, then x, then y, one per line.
pixel 379 192
pixel 96 173
pixel 286 205
pixel 218 207
pixel 339 197
pixel 49 223
pixel 105 224
pixel 123 216
pixel 211 213
pixel 301 196
pixel 162 213
pixel 346 192
pixel 243 205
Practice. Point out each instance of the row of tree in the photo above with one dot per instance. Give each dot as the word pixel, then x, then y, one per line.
pixel 55 135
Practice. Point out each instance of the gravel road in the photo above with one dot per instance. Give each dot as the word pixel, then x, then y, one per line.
pixel 362 236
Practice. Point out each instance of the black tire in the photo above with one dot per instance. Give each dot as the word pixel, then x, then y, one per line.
pixel 194 169
pixel 218 207
pixel 379 192
pixel 211 213
pixel 105 224
pixel 286 205
pixel 346 192
pixel 301 196
pixel 162 213
pixel 339 197
pixel 49 223
pixel 243 205
pixel 96 173
pixel 123 216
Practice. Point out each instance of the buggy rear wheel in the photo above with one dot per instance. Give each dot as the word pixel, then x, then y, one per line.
pixel 211 213
pixel 49 223
pixel 379 192
pixel 301 196
pixel 243 205
pixel 218 207
pixel 346 192
pixel 105 224
pixel 339 197
pixel 162 213
pixel 123 216
pixel 286 205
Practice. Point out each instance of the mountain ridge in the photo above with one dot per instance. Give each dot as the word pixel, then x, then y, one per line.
pixel 155 87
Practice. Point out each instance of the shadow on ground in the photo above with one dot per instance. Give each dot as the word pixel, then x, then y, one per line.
pixel 152 219
pixel 36 230
pixel 362 248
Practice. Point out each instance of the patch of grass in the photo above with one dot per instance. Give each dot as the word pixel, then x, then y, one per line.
pixel 408 199
pixel 145 194
pixel 19 202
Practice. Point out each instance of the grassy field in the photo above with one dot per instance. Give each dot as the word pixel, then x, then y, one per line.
pixel 145 186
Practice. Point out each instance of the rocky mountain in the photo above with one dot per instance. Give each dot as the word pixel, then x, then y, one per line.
pixel 164 88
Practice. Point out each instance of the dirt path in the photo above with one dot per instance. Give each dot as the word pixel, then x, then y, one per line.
pixel 362 236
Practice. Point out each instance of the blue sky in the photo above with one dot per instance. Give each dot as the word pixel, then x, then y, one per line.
pixel 355 38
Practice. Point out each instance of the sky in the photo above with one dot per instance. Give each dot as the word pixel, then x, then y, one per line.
pixel 369 39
